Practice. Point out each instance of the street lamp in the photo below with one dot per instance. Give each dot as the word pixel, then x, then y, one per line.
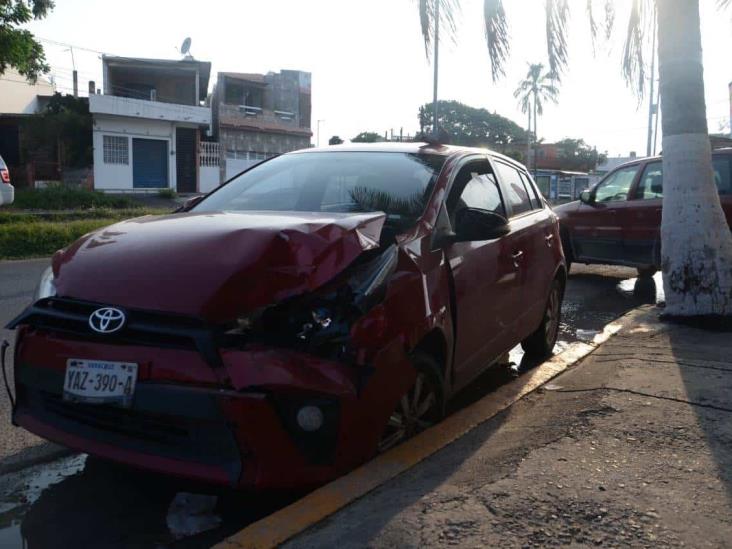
pixel 318 134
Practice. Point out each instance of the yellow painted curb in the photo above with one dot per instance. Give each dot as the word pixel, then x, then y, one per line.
pixel 319 504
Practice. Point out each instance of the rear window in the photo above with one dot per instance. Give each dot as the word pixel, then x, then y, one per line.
pixel 398 184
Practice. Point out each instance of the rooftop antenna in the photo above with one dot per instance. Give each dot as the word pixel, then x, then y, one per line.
pixel 185 48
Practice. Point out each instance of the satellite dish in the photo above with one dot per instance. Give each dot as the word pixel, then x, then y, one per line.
pixel 185 47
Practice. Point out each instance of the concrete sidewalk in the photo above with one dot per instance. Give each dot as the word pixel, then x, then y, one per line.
pixel 632 447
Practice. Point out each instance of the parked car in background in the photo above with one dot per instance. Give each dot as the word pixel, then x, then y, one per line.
pixel 320 307
pixel 618 221
pixel 7 191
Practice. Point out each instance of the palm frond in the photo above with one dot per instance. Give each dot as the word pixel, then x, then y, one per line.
pixel 557 16
pixel 593 23
pixel 723 4
pixel 427 14
pixel 496 36
pixel 609 18
pixel 634 71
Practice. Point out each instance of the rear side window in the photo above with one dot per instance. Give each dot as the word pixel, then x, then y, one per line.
pixel 517 194
pixel 651 183
pixel 533 195
pixel 723 174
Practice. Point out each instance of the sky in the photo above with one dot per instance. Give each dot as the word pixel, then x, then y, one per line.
pixel 367 58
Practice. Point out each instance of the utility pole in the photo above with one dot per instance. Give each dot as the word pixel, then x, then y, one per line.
pixel 652 107
pixel 435 131
pixel 318 134
pixel 75 75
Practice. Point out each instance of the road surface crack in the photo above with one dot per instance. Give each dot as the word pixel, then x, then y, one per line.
pixel 647 395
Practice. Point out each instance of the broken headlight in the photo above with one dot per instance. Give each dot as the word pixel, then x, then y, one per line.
pixel 322 320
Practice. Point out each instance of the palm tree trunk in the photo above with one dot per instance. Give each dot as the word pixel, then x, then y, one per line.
pixel 528 142
pixel 696 242
pixel 536 134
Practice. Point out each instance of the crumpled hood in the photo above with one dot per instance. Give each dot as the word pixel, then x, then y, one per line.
pixel 213 265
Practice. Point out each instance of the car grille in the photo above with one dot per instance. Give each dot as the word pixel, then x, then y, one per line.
pixel 148 328
pixel 208 441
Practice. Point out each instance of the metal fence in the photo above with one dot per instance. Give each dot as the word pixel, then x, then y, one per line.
pixel 209 154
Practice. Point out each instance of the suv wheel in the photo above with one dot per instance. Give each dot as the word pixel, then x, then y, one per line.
pixel 541 343
pixel 419 408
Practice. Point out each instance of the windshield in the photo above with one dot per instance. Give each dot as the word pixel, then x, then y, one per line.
pixel 398 184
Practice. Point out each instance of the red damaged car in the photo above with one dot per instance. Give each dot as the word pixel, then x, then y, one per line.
pixel 316 309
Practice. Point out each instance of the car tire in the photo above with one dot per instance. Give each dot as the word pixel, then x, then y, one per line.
pixel 540 344
pixel 647 272
pixel 420 407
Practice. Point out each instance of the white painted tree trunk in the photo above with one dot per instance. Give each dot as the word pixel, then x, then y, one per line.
pixel 696 243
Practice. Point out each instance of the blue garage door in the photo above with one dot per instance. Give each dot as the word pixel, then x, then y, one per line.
pixel 149 163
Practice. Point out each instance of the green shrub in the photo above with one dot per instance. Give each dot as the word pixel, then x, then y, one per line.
pixel 14 216
pixel 167 193
pixel 19 240
pixel 59 197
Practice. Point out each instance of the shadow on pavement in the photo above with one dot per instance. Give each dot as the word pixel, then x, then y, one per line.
pixel 704 364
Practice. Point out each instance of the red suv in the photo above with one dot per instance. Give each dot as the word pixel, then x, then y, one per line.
pixel 618 221
pixel 316 309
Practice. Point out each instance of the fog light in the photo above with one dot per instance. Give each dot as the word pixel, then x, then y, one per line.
pixel 310 418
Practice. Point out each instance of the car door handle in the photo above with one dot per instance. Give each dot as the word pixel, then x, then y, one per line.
pixel 516 257
pixel 548 239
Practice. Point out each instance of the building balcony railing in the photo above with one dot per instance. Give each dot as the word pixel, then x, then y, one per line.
pixel 151 110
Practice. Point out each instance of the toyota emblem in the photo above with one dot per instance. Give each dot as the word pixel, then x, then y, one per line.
pixel 107 320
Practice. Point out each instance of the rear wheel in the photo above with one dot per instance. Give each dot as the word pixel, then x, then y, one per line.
pixel 541 343
pixel 419 408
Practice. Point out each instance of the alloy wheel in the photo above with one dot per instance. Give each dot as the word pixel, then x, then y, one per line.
pixel 413 414
pixel 551 317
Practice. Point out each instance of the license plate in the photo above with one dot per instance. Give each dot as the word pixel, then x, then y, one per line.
pixel 100 382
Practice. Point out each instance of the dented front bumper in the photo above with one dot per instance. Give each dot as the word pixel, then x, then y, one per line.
pixel 234 425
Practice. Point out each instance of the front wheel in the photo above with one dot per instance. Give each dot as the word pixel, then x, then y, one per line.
pixel 419 408
pixel 541 343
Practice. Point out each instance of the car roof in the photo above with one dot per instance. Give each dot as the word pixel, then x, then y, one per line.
pixel 410 148
pixel 642 159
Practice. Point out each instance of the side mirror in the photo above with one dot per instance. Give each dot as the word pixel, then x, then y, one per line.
pixel 190 203
pixel 476 224
pixel 586 197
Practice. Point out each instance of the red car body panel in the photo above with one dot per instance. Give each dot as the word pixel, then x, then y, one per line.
pixel 627 231
pixel 227 416
pixel 271 256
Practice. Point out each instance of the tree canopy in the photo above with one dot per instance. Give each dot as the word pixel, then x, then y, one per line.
pixel 471 126
pixel 18 48
pixel 577 155
pixel 335 140
pixel 64 123
pixel 367 137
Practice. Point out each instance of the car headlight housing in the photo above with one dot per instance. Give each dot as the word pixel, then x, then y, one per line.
pixel 46 286
pixel 321 321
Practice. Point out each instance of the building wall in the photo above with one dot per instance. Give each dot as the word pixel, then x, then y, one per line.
pixel 235 144
pixel 179 89
pixel 118 177
pixel 17 96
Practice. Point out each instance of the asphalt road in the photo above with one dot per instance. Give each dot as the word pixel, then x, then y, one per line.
pixel 83 502
pixel 18 280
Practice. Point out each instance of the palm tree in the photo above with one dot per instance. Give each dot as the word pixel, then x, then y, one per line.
pixel 532 92
pixel 696 242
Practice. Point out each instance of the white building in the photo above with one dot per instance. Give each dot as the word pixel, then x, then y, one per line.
pixel 148 126
pixel 18 95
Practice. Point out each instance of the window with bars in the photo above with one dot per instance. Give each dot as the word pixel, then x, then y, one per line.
pixel 116 150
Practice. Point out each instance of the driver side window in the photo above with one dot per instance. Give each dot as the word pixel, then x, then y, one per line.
pixel 616 186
